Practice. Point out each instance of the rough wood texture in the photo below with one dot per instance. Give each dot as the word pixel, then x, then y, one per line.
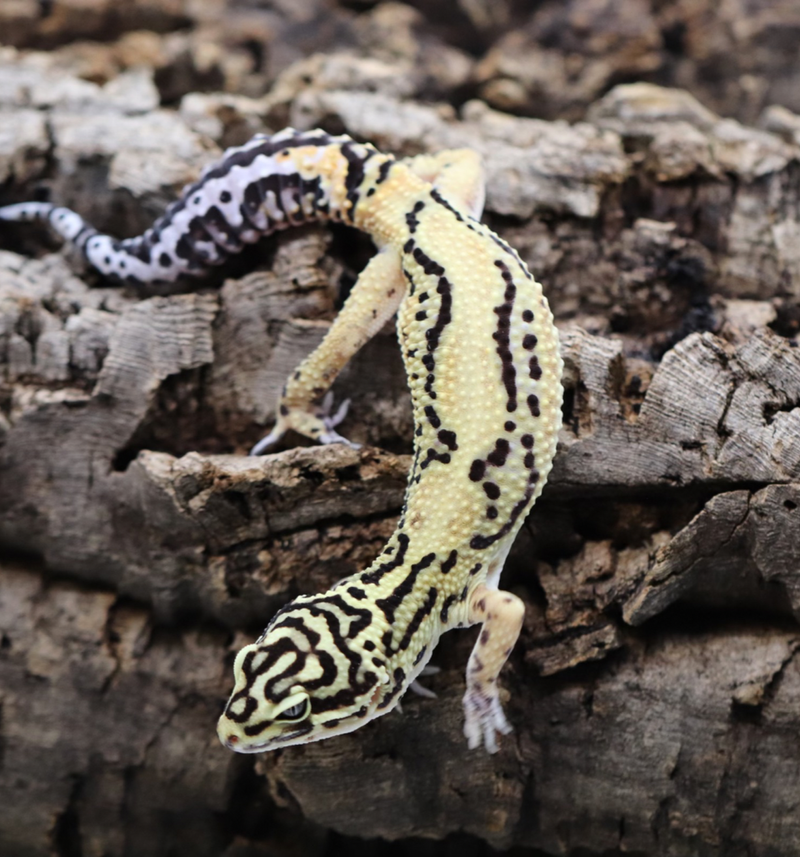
pixel 656 690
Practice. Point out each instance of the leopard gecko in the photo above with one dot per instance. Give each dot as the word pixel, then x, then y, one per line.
pixel 481 352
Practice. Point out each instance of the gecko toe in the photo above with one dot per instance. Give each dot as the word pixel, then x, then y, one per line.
pixel 330 421
pixel 267 441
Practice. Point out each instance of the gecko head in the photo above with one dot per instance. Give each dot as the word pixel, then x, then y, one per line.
pixel 302 681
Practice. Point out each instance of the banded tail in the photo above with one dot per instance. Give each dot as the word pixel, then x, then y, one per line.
pixel 269 183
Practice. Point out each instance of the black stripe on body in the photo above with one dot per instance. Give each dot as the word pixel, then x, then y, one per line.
pixel 336 721
pixel 437 197
pixel 82 238
pixel 244 156
pixel 429 266
pixel 403 589
pixel 414 475
pixel 362 616
pixel 411 218
pixel 448 603
pixel 444 315
pixel 399 684
pixel 433 334
pixel 383 170
pixel 421 612
pixel 374 577
pixel 449 564
pixel 411 284
pixel 355 173
pixel 503 338
pixel 507 248
pixel 448 438
pixel 498 457
pixel 479 542
pixel 344 698
pixel 222 233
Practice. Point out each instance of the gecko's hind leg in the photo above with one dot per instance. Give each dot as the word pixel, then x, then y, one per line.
pixel 304 405
pixel 458 176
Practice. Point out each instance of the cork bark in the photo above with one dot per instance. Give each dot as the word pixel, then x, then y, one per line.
pixel 655 691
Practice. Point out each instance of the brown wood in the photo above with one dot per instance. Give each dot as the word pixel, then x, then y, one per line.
pixel 655 692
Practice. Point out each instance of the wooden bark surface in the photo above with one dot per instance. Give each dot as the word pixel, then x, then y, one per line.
pixel 655 692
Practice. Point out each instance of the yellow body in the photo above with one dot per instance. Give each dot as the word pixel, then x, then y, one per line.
pixel 484 369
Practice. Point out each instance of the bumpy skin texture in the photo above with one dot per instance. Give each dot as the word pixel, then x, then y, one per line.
pixel 481 353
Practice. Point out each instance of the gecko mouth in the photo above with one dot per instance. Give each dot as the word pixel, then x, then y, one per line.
pixel 233 742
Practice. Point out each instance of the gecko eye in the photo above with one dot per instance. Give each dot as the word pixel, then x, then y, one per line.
pixel 296 712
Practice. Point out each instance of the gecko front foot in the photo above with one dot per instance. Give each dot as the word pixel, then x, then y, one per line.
pixel 319 426
pixel 330 421
pixel 420 689
pixel 483 718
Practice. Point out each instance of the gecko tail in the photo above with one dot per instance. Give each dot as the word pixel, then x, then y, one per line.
pixel 26 212
pixel 120 261
pixel 67 223
pixel 268 184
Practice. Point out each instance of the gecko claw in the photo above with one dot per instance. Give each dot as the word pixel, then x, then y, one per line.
pixel 483 718
pixel 308 425
pixel 267 441
pixel 330 421
pixel 423 691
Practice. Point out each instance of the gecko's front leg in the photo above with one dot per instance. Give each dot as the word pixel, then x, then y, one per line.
pixel 372 302
pixel 501 615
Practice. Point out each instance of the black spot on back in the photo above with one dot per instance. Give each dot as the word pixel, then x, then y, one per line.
pixel 448 438
pixel 477 470
pixel 497 457
pixel 492 490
